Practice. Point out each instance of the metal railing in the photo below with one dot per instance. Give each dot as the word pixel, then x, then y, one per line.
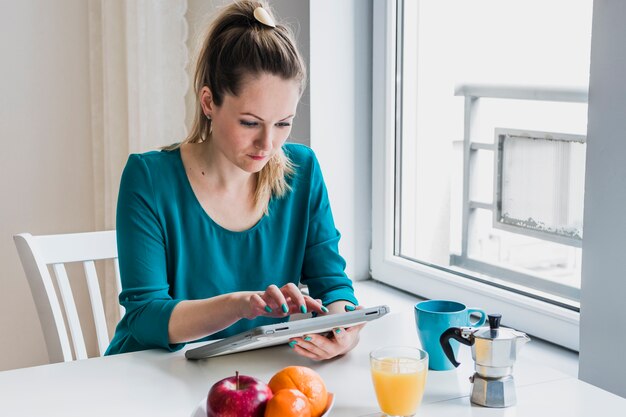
pixel 472 93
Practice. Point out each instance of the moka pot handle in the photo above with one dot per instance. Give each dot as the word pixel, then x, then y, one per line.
pixel 455 333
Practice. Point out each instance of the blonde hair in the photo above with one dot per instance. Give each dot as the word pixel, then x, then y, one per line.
pixel 237 47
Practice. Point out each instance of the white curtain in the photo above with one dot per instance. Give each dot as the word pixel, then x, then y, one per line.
pixel 139 79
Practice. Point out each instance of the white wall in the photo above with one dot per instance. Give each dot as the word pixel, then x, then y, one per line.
pixel 295 14
pixel 46 176
pixel 341 111
pixel 603 292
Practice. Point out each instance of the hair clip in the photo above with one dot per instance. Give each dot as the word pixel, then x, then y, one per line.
pixel 262 16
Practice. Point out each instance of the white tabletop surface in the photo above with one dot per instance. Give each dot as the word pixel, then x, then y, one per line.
pixel 157 383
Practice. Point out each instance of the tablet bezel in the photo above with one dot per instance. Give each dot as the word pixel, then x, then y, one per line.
pixel 279 333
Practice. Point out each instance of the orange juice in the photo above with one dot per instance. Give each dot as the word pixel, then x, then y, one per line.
pixel 399 384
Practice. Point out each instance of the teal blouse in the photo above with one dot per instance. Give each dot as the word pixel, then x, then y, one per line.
pixel 170 249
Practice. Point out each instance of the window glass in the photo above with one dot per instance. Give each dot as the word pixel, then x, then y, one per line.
pixel 466 71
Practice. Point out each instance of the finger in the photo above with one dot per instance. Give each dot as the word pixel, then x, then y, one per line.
pixel 297 303
pixel 339 334
pixel 316 344
pixel 259 306
pixel 307 345
pixel 348 308
pixel 314 305
pixel 307 354
pixel 324 309
pixel 350 337
pixel 275 299
pixel 328 347
pixel 268 298
pixel 321 308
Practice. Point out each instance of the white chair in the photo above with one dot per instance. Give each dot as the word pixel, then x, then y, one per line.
pixel 36 253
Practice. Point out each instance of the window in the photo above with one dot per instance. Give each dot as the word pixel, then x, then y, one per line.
pixel 478 194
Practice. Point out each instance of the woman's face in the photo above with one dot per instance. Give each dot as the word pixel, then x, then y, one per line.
pixel 250 128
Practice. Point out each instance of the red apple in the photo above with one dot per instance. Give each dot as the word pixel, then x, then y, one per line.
pixel 238 396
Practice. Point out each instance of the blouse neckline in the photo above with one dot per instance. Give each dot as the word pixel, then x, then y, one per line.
pixel 199 207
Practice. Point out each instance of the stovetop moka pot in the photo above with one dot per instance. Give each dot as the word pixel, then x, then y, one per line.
pixel 494 350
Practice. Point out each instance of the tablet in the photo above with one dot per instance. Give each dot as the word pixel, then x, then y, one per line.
pixel 276 334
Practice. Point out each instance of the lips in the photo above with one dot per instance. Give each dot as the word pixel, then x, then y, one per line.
pixel 258 157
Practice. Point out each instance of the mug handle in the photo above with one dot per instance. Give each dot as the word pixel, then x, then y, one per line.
pixel 481 320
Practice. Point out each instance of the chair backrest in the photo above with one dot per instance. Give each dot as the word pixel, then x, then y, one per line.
pixel 36 254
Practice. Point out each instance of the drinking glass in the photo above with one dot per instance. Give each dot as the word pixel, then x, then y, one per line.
pixel 399 377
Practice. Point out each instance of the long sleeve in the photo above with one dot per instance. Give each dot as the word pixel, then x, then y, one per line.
pixel 171 250
pixel 323 266
pixel 142 259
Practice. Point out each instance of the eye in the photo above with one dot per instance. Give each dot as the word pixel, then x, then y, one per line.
pixel 247 123
pixel 283 124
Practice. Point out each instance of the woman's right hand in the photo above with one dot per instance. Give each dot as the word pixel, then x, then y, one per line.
pixel 278 302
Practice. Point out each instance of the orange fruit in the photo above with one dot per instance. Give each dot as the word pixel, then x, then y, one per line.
pixel 288 403
pixel 305 380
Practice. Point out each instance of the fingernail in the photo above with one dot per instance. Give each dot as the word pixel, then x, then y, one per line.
pixel 268 309
pixel 292 344
pixel 337 331
pixel 349 307
pixel 308 338
pixel 303 309
pixel 324 309
pixel 285 309
pixel 313 313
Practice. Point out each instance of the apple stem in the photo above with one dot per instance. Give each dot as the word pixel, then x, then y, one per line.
pixel 237 378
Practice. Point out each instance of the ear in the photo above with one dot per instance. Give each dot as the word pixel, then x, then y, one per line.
pixel 206 101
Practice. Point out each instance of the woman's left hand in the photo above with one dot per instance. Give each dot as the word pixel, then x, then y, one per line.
pixel 320 347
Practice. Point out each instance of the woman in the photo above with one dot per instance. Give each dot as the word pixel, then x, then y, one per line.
pixel 215 234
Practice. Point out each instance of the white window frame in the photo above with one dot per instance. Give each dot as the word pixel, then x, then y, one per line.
pixel 534 316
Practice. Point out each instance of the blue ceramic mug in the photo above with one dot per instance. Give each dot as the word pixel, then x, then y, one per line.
pixel 432 318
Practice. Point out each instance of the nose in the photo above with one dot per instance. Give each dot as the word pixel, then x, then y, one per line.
pixel 264 141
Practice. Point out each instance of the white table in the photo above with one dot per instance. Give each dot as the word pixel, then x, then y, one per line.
pixel 156 383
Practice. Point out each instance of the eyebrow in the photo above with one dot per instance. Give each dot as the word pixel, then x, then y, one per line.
pixel 257 117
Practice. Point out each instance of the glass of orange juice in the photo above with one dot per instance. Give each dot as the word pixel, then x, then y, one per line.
pixel 399 377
